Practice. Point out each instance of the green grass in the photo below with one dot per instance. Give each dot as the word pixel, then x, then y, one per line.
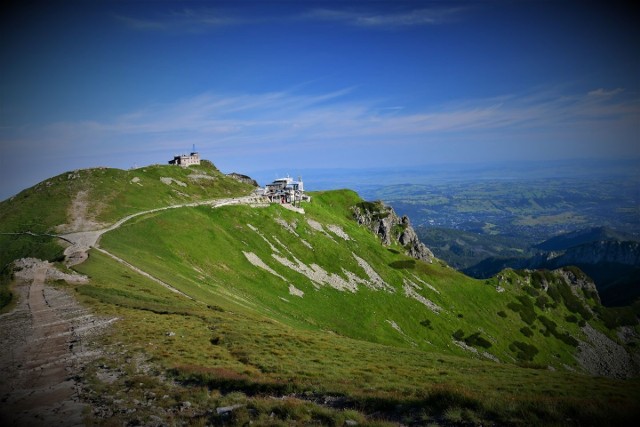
pixel 261 357
pixel 385 356
pixel 243 335
pixel 6 292
pixel 205 260
pixel 21 246
pixel 113 194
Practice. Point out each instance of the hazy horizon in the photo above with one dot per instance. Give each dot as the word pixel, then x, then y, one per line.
pixel 366 178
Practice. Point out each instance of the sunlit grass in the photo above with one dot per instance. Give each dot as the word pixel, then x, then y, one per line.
pixel 112 194
pixel 241 337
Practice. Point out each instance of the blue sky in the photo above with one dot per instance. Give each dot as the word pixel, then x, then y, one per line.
pixel 262 85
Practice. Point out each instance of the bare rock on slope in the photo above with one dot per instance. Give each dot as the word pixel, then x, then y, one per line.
pixel 383 221
pixel 603 356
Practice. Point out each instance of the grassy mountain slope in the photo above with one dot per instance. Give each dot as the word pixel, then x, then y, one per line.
pixel 314 307
pixel 91 199
pixel 371 342
pixel 237 350
pixel 104 195
pixel 236 356
pixel 203 252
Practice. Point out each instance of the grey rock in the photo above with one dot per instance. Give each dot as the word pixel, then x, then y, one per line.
pixel 579 283
pixel 600 355
pixel 383 221
pixel 226 409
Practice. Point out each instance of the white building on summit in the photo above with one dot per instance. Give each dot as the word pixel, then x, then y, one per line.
pixel 184 160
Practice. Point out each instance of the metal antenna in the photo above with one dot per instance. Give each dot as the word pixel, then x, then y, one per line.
pixel 193 148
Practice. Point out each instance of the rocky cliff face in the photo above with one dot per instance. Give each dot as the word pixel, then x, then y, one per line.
pixel 383 221
pixel 580 284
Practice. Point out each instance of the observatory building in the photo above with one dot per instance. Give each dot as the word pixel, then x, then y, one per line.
pixel 184 160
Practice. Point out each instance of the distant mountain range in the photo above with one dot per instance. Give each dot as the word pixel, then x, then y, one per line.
pixel 610 258
pixel 581 237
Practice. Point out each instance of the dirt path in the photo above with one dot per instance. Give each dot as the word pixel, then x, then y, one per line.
pixel 43 339
pixel 82 241
pixel 78 214
pixel 43 349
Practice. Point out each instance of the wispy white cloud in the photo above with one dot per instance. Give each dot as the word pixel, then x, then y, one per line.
pixel 280 120
pixel 600 92
pixel 412 18
pixel 207 19
pixel 186 20
pixel 338 129
pixel 141 24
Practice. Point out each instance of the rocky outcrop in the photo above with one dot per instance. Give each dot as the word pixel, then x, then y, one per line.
pixel 383 221
pixel 579 283
pixel 243 178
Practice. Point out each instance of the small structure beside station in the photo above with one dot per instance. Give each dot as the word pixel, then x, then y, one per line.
pixel 286 190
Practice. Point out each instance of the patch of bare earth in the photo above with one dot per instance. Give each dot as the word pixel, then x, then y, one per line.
pixel 78 215
pixel 44 341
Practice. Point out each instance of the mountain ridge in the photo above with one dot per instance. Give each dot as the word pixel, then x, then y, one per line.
pixel 260 279
pixel 614 264
pixel 581 237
